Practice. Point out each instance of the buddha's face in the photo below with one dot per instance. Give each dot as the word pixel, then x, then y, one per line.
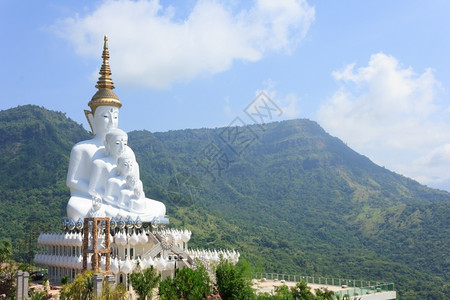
pixel 131 181
pixel 116 145
pixel 105 119
pixel 126 166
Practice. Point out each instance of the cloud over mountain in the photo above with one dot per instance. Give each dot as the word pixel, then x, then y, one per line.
pixel 154 47
pixel 385 110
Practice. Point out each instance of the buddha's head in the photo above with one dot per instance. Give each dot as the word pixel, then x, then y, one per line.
pixel 126 165
pixel 116 141
pixel 132 181
pixel 105 119
pixel 105 105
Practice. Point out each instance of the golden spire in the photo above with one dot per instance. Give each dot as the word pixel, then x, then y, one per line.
pixel 105 95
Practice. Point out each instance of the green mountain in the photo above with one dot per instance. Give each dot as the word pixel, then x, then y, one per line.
pixel 290 197
pixel 35 146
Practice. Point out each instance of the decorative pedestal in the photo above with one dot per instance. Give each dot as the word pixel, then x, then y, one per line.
pixel 96 253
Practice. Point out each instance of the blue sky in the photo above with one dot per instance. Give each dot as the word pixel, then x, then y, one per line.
pixel 373 73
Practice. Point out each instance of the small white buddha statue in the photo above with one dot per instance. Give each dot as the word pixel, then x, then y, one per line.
pixel 125 192
pixel 132 194
pixel 102 166
pixel 126 165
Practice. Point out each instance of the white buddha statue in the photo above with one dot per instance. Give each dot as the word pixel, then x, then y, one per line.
pixel 105 162
pixel 129 193
pixel 81 157
pixel 92 164
pixel 132 193
pixel 126 167
pixel 114 184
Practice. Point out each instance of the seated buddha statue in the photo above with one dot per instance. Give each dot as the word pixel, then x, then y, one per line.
pixel 94 161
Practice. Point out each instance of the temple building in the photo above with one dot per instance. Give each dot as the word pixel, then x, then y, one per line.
pixel 111 226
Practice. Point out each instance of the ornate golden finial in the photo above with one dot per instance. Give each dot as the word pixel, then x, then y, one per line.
pixel 105 95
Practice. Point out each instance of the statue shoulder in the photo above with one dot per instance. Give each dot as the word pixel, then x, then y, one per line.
pixel 130 151
pixel 85 147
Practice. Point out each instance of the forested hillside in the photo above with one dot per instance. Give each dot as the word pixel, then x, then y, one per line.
pixel 35 146
pixel 287 195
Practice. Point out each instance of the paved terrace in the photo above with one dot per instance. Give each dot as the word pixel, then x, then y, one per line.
pixel 266 282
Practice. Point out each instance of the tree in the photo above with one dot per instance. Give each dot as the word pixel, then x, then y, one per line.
pixel 231 282
pixel 167 290
pixel 324 293
pixel 8 271
pixel 81 288
pixel 5 252
pixel 186 284
pixel 111 293
pixel 144 282
pixel 283 292
pixel 302 291
pixel 38 295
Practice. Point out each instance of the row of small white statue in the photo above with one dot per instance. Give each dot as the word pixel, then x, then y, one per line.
pixel 70 262
pixel 129 265
pixel 60 239
pixel 72 239
pixel 117 265
pixel 115 222
pixel 178 235
pixel 120 238
pixel 76 239
pixel 213 257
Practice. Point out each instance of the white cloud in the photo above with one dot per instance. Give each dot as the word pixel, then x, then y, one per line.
pixel 288 105
pixel 432 168
pixel 227 109
pixel 151 48
pixel 392 115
